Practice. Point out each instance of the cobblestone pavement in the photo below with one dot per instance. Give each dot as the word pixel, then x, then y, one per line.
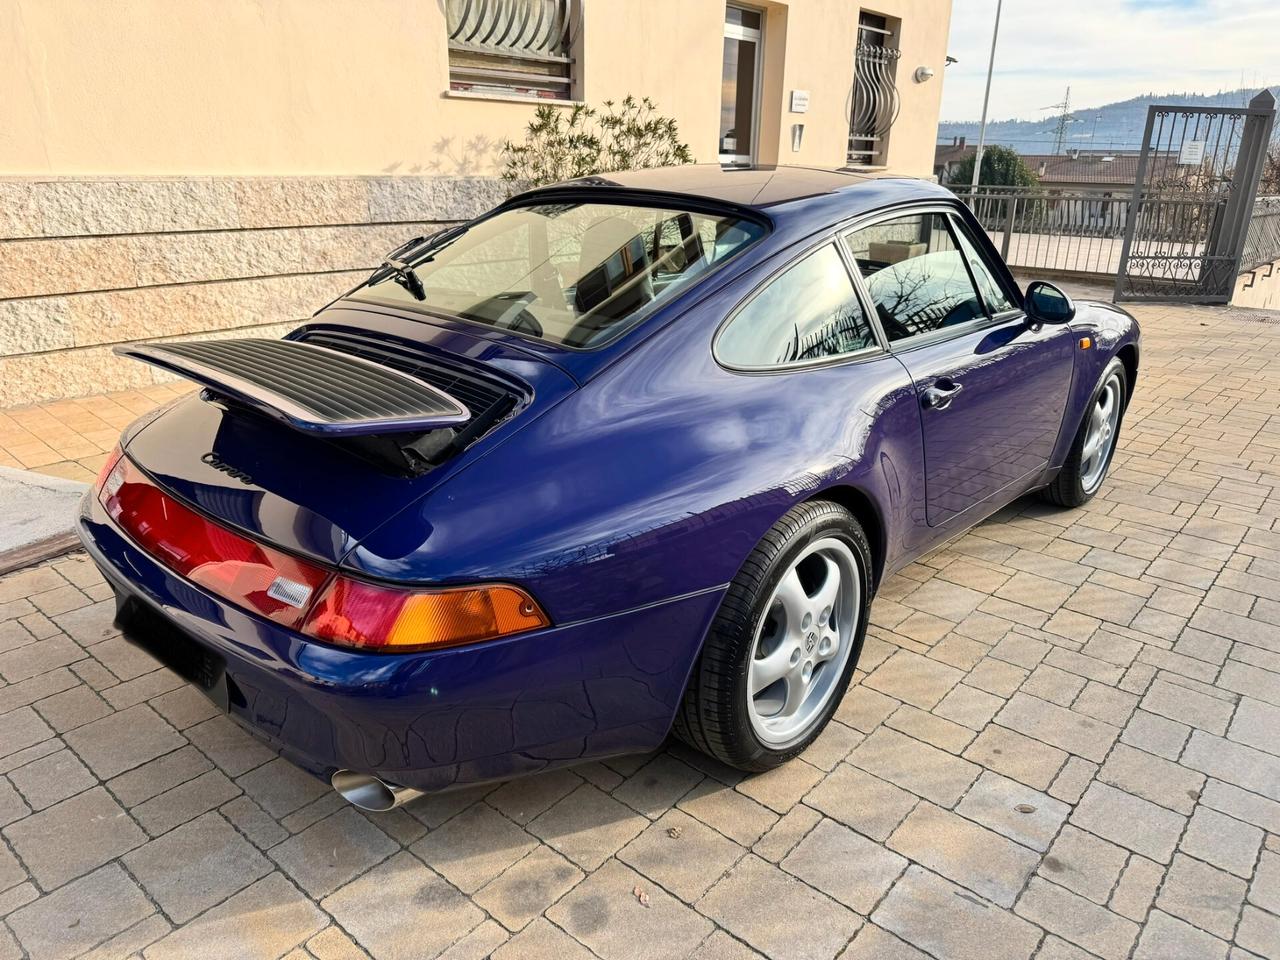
pixel 71 438
pixel 1064 742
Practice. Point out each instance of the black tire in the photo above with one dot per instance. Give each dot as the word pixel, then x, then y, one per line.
pixel 713 716
pixel 1068 487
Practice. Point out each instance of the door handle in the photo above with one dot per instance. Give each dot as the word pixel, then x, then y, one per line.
pixel 940 394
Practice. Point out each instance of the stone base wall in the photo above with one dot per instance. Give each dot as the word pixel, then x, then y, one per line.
pixel 86 264
pixel 1258 289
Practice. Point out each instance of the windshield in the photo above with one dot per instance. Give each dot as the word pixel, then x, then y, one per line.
pixel 571 273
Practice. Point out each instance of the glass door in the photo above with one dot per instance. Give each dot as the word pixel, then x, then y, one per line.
pixel 740 85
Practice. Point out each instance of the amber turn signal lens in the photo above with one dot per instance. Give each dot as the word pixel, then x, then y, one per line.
pixel 372 617
pixel 1085 343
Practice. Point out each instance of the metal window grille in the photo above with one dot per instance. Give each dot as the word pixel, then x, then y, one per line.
pixel 513 46
pixel 875 101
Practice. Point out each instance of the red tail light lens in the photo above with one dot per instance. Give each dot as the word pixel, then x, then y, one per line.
pixel 258 578
pixel 109 464
pixel 302 595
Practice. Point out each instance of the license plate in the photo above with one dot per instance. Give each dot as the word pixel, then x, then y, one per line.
pixel 145 627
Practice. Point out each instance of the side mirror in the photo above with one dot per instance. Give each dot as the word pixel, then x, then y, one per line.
pixel 1045 303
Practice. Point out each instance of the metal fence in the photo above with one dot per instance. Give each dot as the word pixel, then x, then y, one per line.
pixel 1062 231
pixel 1081 231
pixel 1194 190
pixel 1262 242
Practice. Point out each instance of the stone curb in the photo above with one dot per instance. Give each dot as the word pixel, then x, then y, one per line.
pixel 37 520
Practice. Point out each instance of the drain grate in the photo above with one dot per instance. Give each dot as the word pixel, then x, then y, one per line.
pixel 1252 316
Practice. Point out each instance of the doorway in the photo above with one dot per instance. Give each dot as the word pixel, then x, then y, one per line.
pixel 740 85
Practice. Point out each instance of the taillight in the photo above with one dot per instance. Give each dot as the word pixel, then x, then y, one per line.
pixel 302 595
pixel 109 465
pixel 366 615
pixel 263 580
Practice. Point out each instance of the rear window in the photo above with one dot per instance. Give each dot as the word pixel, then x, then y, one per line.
pixel 570 273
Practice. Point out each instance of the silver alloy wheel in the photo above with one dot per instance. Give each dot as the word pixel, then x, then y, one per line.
pixel 1104 419
pixel 803 642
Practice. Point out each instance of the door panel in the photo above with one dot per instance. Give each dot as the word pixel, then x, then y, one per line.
pixel 991 387
pixel 1001 424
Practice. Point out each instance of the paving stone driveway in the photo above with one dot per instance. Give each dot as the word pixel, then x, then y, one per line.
pixel 1064 742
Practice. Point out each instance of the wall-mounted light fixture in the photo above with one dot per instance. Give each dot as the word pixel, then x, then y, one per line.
pixel 923 74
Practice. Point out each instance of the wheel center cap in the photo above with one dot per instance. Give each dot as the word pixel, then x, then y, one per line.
pixel 809 641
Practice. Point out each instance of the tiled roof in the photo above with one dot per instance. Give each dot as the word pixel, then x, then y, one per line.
pixel 1118 168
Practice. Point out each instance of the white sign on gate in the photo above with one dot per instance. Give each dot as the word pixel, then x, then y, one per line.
pixel 1192 152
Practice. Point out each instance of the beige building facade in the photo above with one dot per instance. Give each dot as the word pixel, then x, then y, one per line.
pixel 218 167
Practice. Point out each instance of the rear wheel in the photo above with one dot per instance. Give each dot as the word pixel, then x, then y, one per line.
pixel 1086 466
pixel 782 649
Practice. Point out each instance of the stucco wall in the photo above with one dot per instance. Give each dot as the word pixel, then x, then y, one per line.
pixel 821 36
pixel 177 169
pixel 291 87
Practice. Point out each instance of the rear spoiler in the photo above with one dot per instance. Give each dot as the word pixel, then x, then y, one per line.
pixel 311 388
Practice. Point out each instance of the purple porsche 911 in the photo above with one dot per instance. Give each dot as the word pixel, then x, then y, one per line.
pixel 624 457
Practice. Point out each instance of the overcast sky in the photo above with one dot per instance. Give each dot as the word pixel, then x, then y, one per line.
pixel 1107 50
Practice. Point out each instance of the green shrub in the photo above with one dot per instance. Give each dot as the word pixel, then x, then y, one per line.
pixel 561 143
pixel 1001 166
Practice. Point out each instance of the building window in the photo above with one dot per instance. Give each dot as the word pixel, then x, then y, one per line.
pixel 875 100
pixel 513 47
pixel 740 84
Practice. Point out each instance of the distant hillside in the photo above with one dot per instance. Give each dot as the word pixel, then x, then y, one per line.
pixel 1115 126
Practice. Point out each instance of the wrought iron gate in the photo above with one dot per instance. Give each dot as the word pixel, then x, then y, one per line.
pixel 1192 197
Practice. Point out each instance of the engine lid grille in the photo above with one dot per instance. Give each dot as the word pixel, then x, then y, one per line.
pixel 310 387
pixel 478 392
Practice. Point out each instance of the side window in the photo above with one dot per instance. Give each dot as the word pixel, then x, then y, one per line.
pixel 806 313
pixel 915 274
pixel 997 299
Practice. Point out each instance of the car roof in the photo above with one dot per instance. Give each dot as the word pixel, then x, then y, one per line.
pixel 757 186
pixel 754 187
pixel 796 202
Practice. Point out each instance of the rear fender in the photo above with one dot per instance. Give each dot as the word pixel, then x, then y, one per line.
pixel 658 477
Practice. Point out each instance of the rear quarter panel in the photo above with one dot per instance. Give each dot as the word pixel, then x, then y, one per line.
pixel 659 476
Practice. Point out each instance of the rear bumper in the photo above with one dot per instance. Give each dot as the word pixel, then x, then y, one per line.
pixel 427 720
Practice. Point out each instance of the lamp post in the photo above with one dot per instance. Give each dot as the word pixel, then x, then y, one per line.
pixel 986 97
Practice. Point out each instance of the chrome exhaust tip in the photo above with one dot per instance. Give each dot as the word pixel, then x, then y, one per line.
pixel 371 793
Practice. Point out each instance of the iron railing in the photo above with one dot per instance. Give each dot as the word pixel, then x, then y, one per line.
pixel 1064 231
pixel 521 46
pixel 1262 242
pixel 875 103
pixel 1082 231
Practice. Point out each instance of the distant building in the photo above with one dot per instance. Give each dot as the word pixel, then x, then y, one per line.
pixel 1074 170
pixel 1084 191
pixel 948 156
